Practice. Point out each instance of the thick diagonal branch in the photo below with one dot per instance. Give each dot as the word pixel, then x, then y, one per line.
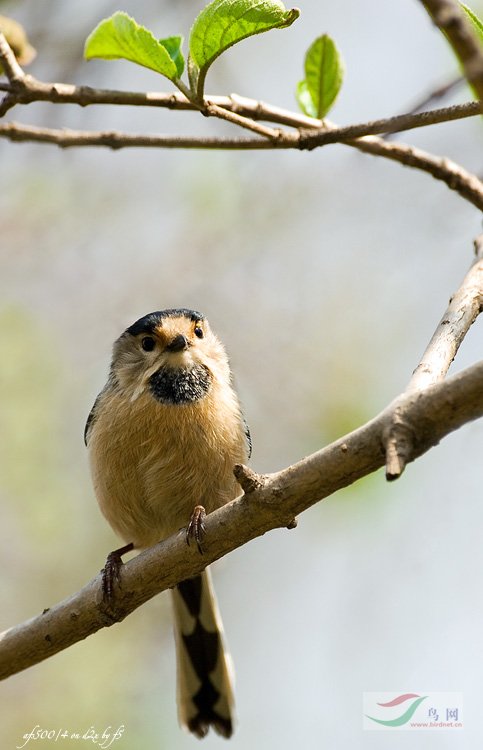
pixel 270 502
pixel 463 309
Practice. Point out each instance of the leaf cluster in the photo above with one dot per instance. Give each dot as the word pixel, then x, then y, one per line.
pixel 218 27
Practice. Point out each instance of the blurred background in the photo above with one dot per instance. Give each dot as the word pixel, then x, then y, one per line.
pixel 325 274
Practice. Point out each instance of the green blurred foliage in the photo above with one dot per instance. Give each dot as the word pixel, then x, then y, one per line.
pixel 18 41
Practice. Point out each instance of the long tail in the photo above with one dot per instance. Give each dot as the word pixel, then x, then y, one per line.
pixel 205 679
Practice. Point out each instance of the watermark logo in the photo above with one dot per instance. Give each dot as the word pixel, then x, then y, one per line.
pixel 412 711
pixel 103 739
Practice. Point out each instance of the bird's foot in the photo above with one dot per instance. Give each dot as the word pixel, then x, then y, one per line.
pixel 196 527
pixel 111 572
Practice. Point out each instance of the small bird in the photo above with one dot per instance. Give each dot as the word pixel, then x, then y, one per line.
pixel 163 437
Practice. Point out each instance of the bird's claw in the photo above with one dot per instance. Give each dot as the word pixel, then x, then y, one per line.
pixel 111 572
pixel 196 527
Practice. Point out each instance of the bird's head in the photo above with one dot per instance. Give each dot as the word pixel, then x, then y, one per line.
pixel 173 354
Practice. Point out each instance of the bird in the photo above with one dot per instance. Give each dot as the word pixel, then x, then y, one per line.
pixel 163 437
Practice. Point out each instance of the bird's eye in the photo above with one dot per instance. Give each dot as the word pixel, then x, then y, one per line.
pixel 148 343
pixel 199 332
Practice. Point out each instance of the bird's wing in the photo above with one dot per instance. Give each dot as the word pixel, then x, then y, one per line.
pixel 248 437
pixel 91 418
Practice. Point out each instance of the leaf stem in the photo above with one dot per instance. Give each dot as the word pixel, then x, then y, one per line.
pixel 183 88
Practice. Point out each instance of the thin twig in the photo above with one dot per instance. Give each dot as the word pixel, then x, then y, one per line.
pixel 66 138
pixel 435 94
pixel 244 122
pixel 64 93
pixel 427 100
pixel 452 21
pixel 242 112
pixel 12 69
pixel 391 124
pixel 455 177
pixel 14 73
pixel 260 110
pixel 273 502
pixel 463 309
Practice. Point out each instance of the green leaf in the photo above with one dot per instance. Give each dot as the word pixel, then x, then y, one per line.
pixel 120 37
pixel 223 23
pixel 304 99
pixel 476 22
pixel 172 45
pixel 324 71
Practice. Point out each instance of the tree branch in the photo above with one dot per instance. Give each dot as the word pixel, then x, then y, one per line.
pixel 466 184
pixel 451 20
pixel 244 122
pixel 463 309
pixel 437 93
pixel 269 502
pixel 242 112
pixel 66 138
pixel 394 124
pixel 65 93
pixel 12 69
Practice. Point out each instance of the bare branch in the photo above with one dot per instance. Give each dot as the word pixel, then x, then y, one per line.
pixel 243 112
pixel 64 93
pixel 432 96
pixel 14 73
pixel 270 502
pixel 66 138
pixel 452 21
pixel 455 177
pixel 12 69
pixel 244 122
pixel 436 93
pixel 463 309
pixel 391 124
pixel 68 93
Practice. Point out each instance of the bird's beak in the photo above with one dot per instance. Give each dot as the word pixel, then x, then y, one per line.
pixel 178 344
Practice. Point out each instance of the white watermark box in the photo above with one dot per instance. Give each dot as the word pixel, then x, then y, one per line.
pixel 426 711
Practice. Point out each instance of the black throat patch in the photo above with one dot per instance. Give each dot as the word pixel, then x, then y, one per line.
pixel 181 385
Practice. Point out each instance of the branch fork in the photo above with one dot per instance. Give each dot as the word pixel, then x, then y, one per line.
pixel 463 309
pixel 240 111
pixel 248 479
pixel 399 441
